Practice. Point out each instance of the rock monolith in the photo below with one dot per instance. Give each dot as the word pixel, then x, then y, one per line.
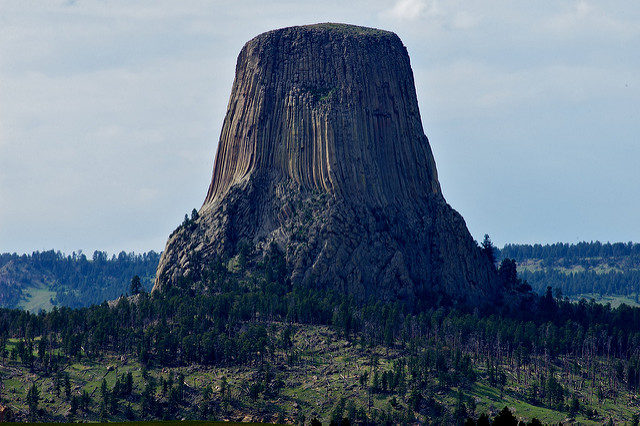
pixel 322 152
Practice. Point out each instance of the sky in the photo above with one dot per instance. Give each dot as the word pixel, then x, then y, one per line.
pixel 111 110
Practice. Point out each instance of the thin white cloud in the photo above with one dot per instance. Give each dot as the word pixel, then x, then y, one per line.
pixel 474 89
pixel 582 18
pixel 465 20
pixel 408 9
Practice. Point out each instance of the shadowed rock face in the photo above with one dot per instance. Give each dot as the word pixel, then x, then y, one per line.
pixel 322 151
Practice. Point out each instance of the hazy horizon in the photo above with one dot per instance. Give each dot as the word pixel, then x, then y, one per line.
pixel 110 113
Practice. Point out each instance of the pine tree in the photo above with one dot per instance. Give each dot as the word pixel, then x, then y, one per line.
pixel 505 418
pixel 136 285
pixel 33 397
pixel 67 386
pixel 488 249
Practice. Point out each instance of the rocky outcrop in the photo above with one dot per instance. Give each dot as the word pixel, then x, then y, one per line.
pixel 323 152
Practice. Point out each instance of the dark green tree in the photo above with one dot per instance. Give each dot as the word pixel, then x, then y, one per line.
pixel 488 249
pixel 136 285
pixel 574 406
pixel 483 420
pixel 508 273
pixel 224 389
pixel 25 352
pixel 75 402
pixel 128 413
pixel 113 400
pixel 128 384
pixel 104 392
pixel 505 418
pixel 33 397
pixel 67 386
pixel 56 385
pixel 42 349
pixel 85 401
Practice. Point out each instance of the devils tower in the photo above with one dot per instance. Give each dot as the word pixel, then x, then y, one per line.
pixel 322 152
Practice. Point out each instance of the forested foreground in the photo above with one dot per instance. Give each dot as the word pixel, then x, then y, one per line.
pixel 71 280
pixel 253 346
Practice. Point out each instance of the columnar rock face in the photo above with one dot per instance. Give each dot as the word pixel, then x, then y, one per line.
pixel 323 152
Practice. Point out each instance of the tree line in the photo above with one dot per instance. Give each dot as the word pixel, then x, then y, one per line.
pixel 578 269
pixel 77 280
pixel 521 252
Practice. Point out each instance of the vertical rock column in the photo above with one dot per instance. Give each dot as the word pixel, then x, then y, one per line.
pixel 322 151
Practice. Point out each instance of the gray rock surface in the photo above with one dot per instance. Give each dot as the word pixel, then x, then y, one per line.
pixel 323 152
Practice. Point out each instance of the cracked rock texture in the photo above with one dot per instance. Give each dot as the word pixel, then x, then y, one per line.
pixel 322 151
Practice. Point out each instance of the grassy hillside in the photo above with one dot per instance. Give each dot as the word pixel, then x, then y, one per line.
pixel 38 298
pixel 320 376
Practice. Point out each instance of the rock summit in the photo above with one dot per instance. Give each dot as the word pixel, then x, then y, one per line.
pixel 322 153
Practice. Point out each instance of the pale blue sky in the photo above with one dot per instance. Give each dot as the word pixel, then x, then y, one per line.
pixel 110 112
